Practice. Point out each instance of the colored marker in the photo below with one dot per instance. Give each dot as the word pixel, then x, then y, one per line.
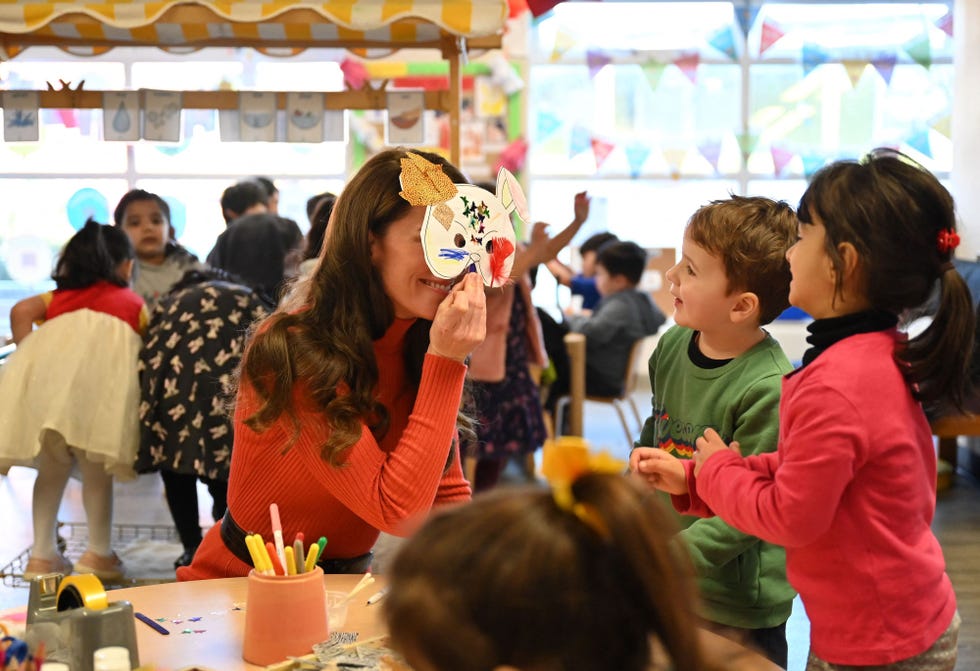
pixel 311 557
pixel 377 596
pixel 290 561
pixel 277 566
pixel 261 548
pixel 254 553
pixel 277 533
pixel 152 623
pixel 298 553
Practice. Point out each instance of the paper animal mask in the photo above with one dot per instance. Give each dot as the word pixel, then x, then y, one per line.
pixel 464 226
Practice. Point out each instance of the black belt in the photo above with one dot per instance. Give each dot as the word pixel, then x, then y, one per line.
pixel 234 539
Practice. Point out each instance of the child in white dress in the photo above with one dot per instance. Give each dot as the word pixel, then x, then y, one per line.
pixel 69 394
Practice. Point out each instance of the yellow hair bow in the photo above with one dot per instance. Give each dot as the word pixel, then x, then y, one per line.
pixel 563 461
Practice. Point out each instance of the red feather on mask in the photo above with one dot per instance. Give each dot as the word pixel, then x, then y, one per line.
pixel 502 249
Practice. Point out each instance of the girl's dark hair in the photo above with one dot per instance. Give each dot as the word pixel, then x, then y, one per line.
pixel 91 255
pixel 893 211
pixel 318 225
pixel 513 579
pixel 323 333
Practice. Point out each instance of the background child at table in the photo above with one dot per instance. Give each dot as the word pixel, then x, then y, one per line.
pixel 718 368
pixel 851 491
pixel 582 283
pixel 69 393
pixel 515 580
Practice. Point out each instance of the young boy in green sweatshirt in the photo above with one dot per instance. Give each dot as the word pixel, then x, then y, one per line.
pixel 718 368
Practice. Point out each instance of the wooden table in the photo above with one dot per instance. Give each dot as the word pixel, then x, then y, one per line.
pixel 206 620
pixel 214 642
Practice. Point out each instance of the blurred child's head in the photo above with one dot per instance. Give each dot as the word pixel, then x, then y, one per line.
pixel 248 197
pixel 271 192
pixel 512 579
pixel 734 262
pixel 589 251
pixel 887 213
pixel 145 217
pixel 619 266
pixel 95 253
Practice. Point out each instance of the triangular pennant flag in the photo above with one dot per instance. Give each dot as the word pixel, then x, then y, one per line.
pixel 920 51
pixel 580 141
pixel 539 7
pixel 747 142
pixel 812 163
pixel 746 15
pixel 780 158
pixel 920 142
pixel 885 65
pixel 653 71
pixel 636 156
pixel 946 24
pixel 596 60
pixel 724 41
pixel 355 73
pixel 812 57
pixel 547 124
pixel 563 42
pixel 854 70
pixel 675 159
pixel 711 150
pixel 771 33
pixel 943 125
pixel 688 64
pixel 601 149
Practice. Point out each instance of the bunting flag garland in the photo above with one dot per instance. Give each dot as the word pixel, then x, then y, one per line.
pixel 548 123
pixel 596 60
pixel 920 142
pixel 636 156
pixel 653 71
pixel 885 65
pixel 812 57
pixel 580 140
pixel 688 64
pixel 563 42
pixel 811 163
pixel 780 159
pixel 746 15
pixel 724 41
pixel 945 24
pixel 854 69
pixel 711 151
pixel 920 51
pixel 943 126
pixel 771 33
pixel 747 142
pixel 601 149
pixel 675 159
pixel 355 74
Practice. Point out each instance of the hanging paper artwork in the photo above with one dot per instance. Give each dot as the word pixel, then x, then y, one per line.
pixel 945 24
pixel 464 227
pixel 885 65
pixel 711 151
pixel 854 70
pixel 161 115
pixel 812 57
pixel 920 51
pixel 724 41
pixel 596 60
pixel 601 149
pixel 405 116
pixel 20 116
pixel 85 204
pixel 746 15
pixel 304 116
pixel 653 71
pixel 780 159
pixel 636 156
pixel 257 116
pixel 688 64
pixel 121 116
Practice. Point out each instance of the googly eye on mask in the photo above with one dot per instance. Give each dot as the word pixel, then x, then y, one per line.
pixel 465 226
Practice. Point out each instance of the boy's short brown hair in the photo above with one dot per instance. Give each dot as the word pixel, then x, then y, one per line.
pixel 750 234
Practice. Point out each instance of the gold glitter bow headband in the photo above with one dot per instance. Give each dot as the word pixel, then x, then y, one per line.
pixel 563 461
pixel 424 182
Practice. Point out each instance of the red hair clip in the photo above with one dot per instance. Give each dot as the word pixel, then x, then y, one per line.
pixel 948 240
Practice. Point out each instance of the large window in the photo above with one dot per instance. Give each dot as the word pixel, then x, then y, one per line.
pixel 657 108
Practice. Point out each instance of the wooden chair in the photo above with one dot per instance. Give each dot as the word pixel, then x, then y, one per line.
pixel 576 399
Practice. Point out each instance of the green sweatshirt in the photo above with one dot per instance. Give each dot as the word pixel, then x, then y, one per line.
pixel 742 579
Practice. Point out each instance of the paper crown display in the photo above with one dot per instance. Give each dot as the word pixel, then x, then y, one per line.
pixel 464 226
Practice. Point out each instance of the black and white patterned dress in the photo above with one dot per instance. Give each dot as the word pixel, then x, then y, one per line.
pixel 193 346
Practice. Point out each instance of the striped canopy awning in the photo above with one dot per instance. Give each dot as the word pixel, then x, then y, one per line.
pixel 381 25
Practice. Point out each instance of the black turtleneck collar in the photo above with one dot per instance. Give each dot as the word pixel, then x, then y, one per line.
pixel 826 332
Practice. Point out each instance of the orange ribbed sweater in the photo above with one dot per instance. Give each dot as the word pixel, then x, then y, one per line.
pixel 381 487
